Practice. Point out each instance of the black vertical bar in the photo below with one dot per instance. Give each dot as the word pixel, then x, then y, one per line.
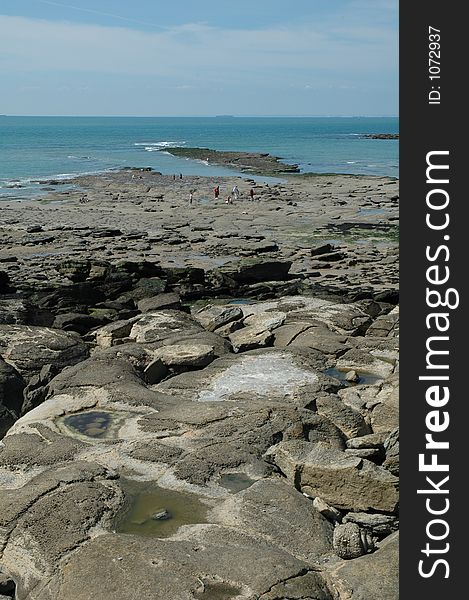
pixel 432 119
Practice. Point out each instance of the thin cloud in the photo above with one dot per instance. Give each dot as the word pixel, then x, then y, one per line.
pixel 101 13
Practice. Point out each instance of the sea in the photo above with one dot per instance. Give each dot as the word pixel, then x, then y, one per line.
pixel 36 149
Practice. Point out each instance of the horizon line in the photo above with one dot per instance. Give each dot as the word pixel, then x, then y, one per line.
pixel 209 116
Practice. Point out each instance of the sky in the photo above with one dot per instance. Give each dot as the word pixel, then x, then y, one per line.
pixel 199 57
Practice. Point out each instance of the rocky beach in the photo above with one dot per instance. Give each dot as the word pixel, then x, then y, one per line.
pixel 199 400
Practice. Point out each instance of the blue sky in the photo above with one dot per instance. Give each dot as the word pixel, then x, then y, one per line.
pixel 205 57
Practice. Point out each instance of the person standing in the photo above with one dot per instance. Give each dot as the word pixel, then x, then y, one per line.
pixel 235 192
pixel 191 197
pixel 216 191
pixel 251 194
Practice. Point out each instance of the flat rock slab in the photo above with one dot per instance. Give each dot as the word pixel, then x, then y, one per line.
pixel 273 510
pixel 203 561
pixel 271 374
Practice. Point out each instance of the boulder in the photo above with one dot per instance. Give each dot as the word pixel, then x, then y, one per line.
pixel 351 542
pixel 345 482
pixel 160 301
pixel 186 355
pixel 29 348
pixel 212 317
pixel 382 573
pixel 254 270
pixel 158 326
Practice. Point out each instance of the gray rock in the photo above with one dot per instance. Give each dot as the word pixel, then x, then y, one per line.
pixel 382 573
pixel 29 348
pixel 329 512
pixel 250 338
pixel 377 524
pixel 212 317
pixel 351 542
pixel 155 371
pixel 252 270
pixel 114 333
pixel 186 355
pixel 168 300
pixel 345 482
pixel 348 420
pixel 391 447
pixel 161 514
pixel 274 511
pixel 158 326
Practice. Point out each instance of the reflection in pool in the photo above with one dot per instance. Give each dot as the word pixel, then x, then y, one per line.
pixel 145 505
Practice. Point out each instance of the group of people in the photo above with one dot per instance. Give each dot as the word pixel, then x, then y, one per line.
pixel 235 194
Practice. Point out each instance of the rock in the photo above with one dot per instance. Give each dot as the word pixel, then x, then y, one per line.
pixel 178 275
pixel 155 371
pixel 250 338
pixel 4 282
pixel 351 542
pixel 352 377
pixel 345 482
pixel 146 287
pixel 321 249
pixel 382 573
pixel 372 440
pixel 28 349
pixel 385 325
pixel 274 511
pixel 37 389
pixel 377 524
pixel 158 326
pixel 229 328
pixel 80 270
pixel 186 355
pixel 11 396
pixel 391 447
pixel 348 420
pixel 213 317
pixel 161 514
pixel 331 256
pixel 364 362
pixel 114 333
pixel 168 300
pixel 329 512
pixel 310 586
pixel 78 322
pixel 254 270
pixel 205 561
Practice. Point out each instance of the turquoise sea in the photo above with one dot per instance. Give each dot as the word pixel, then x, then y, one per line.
pixel 38 148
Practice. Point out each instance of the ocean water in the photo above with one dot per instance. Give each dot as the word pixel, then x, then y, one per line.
pixel 38 148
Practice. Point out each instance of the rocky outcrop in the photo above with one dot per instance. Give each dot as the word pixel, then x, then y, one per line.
pixel 232 370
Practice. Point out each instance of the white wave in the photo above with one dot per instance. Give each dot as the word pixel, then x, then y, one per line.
pixel 157 145
pixel 351 162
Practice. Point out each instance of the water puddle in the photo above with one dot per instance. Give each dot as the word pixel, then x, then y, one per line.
pixel 371 211
pixel 154 511
pixel 94 424
pixel 364 378
pixel 235 482
pixel 240 301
